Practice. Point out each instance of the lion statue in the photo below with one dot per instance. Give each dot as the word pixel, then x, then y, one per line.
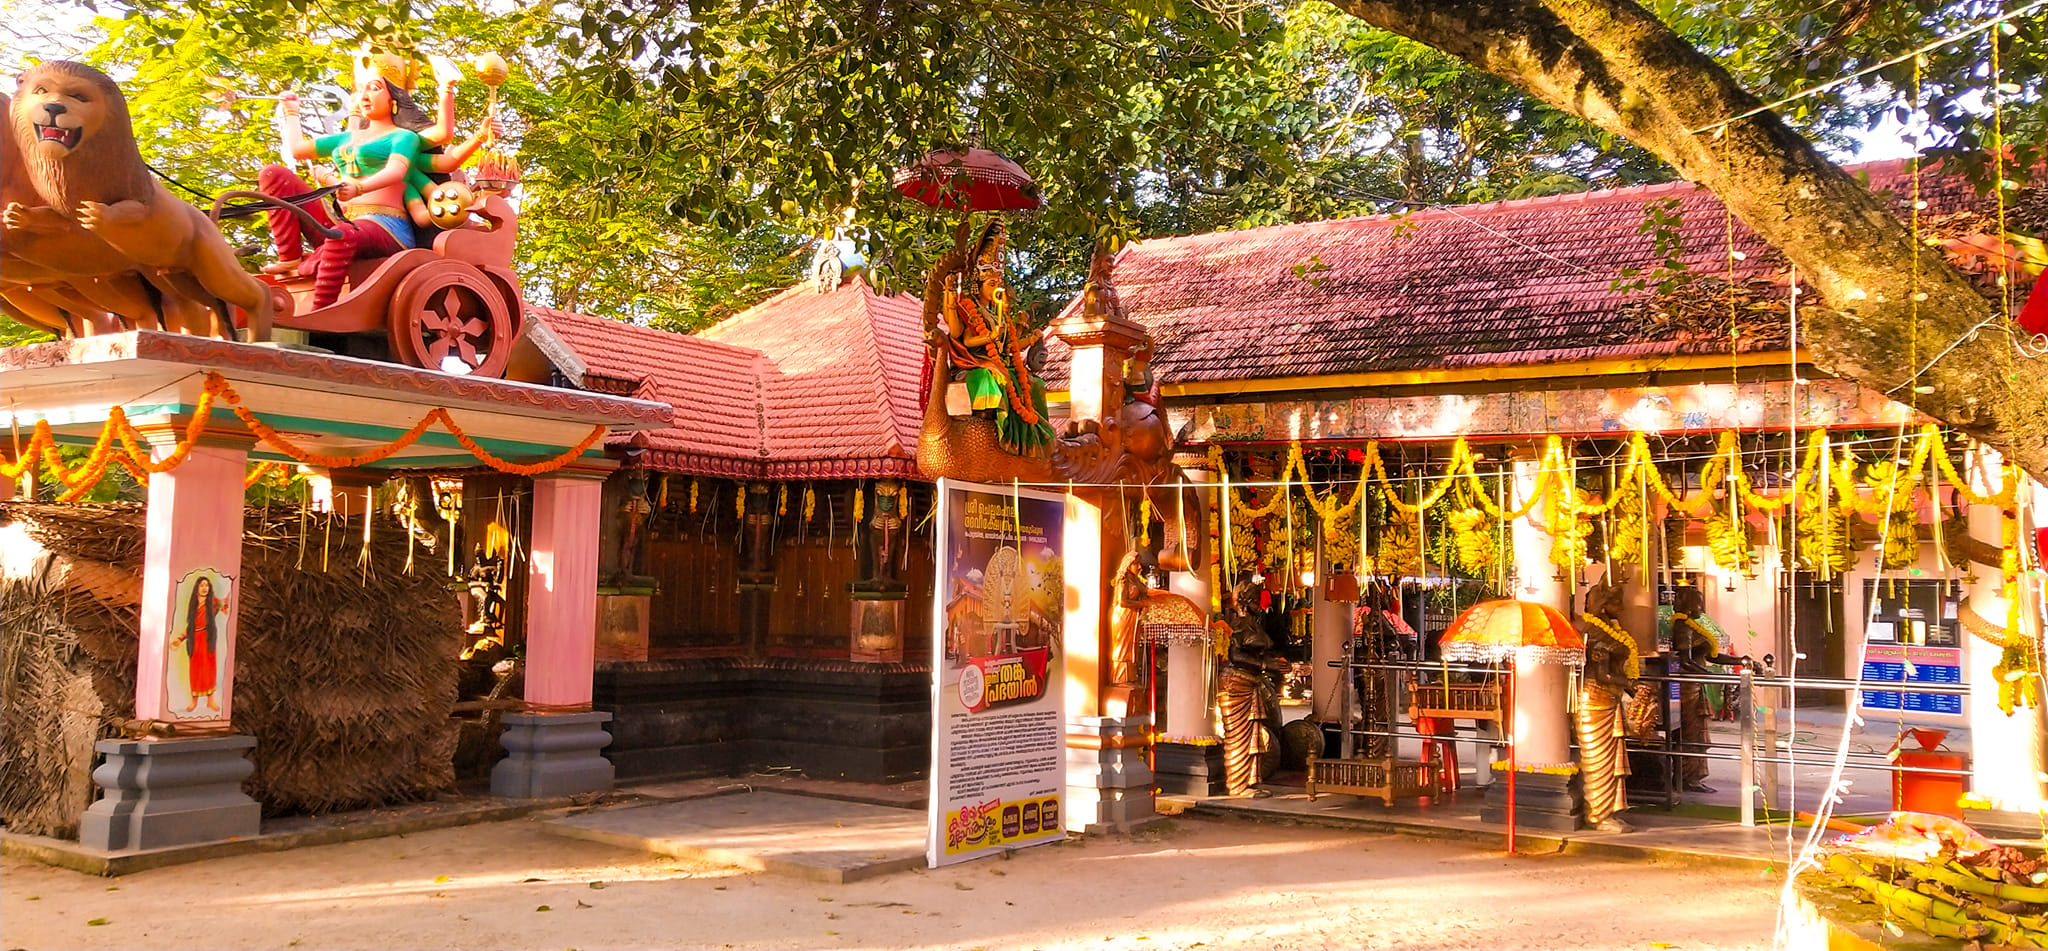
pixel 90 232
pixel 47 278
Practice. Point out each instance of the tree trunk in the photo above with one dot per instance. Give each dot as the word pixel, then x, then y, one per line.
pixel 1614 64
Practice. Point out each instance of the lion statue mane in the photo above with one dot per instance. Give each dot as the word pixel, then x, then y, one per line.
pixel 92 240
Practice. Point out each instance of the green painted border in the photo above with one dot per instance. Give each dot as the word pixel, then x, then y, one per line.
pixel 511 450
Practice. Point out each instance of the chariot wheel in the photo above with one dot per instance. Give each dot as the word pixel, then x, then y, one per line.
pixel 448 316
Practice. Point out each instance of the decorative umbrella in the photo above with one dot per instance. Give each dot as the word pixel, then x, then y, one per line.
pixel 1493 631
pixel 968 180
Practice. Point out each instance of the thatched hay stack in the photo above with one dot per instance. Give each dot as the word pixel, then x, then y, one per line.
pixel 50 711
pixel 346 677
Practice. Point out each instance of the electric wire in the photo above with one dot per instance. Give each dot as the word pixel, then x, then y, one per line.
pixel 1894 61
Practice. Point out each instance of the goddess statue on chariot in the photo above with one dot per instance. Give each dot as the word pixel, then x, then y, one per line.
pixel 988 340
pixel 409 260
pixel 402 253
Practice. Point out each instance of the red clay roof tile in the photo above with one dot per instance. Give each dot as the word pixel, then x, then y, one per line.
pixel 1513 282
pixel 803 385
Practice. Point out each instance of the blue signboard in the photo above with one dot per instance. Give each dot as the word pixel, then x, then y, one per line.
pixel 1897 663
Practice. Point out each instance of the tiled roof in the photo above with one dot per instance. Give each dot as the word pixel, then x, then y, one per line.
pixel 1512 282
pixel 710 384
pixel 843 380
pixel 801 386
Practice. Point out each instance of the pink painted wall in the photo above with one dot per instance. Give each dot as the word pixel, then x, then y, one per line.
pixel 561 595
pixel 194 523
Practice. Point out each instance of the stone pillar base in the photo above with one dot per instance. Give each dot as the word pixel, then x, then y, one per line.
pixel 1546 801
pixel 1109 787
pixel 161 793
pixel 1189 769
pixel 553 754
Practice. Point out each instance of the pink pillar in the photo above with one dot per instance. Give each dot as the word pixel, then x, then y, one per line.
pixel 192 558
pixel 561 594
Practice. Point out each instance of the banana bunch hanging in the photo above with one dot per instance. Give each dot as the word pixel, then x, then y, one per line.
pixel 1568 530
pixel 1892 488
pixel 1472 540
pixel 1823 531
pixel 1625 528
pixel 2015 673
pixel 1398 553
pixel 1729 541
pixel 1244 541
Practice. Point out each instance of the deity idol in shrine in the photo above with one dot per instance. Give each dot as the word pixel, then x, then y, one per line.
pixel 381 175
pixel 986 339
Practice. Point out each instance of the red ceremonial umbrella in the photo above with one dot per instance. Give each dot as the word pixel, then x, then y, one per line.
pixel 968 180
pixel 1493 631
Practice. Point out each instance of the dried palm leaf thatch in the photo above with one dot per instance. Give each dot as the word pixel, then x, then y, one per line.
pixel 50 714
pixel 346 676
pixel 1702 307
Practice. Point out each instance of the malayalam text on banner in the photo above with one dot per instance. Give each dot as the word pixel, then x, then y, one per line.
pixel 998 737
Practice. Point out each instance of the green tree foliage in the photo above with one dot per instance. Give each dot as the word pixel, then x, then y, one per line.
pixel 701 147
pixel 1781 47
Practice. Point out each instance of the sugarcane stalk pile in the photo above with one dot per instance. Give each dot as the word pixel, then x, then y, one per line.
pixel 1996 896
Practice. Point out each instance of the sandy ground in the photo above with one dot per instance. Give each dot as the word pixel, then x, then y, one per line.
pixel 1193 883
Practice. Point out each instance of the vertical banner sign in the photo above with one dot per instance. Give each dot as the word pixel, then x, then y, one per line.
pixel 998 729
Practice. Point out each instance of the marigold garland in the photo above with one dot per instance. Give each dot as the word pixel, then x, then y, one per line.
pixel 120 442
pixel 1633 666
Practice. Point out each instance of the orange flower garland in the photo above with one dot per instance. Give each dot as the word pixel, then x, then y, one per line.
pixel 119 442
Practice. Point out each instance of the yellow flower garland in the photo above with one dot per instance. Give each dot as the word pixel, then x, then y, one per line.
pixel 1634 665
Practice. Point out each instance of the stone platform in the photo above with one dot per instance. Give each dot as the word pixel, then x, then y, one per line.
pixel 823 840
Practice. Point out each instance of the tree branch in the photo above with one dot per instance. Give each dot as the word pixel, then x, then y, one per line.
pixel 1615 65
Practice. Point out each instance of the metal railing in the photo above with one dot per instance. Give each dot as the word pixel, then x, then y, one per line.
pixel 1745 682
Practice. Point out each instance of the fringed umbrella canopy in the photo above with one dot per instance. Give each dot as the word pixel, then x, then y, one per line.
pixel 1494 631
pixel 968 180
pixel 1172 618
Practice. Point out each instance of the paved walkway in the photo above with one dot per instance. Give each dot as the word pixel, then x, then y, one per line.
pixel 823 840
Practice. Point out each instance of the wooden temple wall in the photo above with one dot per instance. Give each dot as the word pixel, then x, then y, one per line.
pixel 744 677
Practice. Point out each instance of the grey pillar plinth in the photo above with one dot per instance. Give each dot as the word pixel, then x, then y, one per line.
pixel 1108 789
pixel 1189 769
pixel 160 793
pixel 1544 801
pixel 553 754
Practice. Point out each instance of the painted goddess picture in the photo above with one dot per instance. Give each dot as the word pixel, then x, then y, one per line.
pixel 195 671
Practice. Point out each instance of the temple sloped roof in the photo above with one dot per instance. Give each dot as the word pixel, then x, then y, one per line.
pixel 801 386
pixel 843 387
pixel 1523 282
